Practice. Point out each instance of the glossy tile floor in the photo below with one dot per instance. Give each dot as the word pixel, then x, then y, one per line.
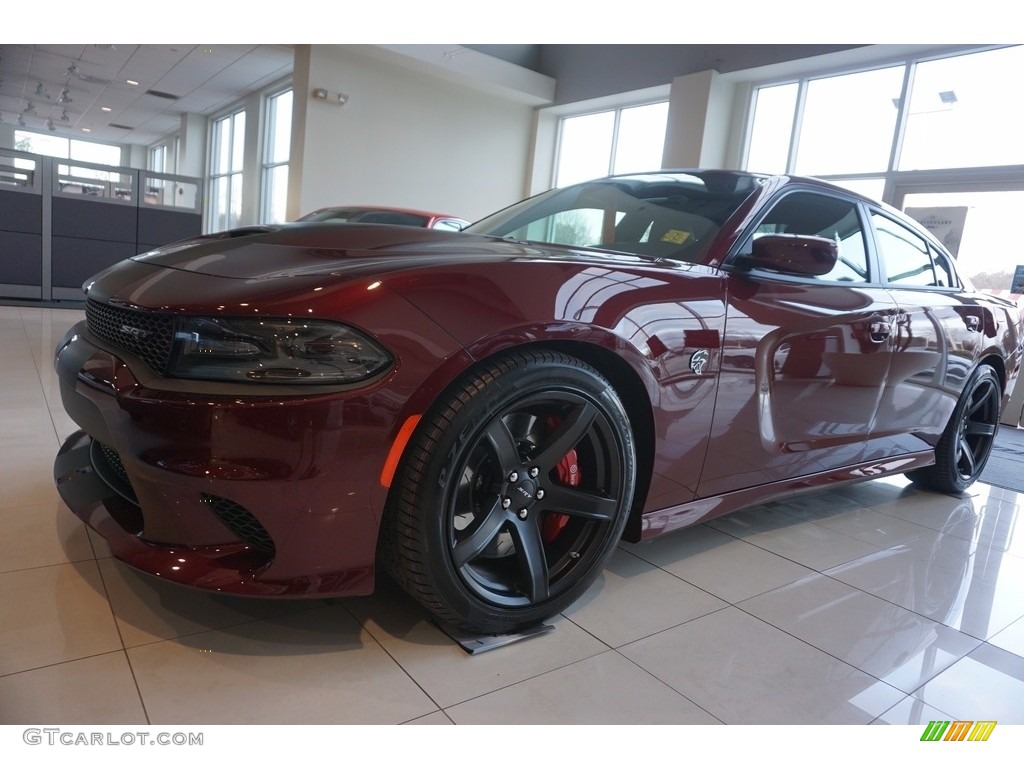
pixel 874 603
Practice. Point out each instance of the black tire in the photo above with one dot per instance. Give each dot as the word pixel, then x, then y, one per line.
pixel 483 527
pixel 966 443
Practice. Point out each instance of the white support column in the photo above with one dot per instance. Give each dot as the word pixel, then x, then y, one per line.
pixel 699 121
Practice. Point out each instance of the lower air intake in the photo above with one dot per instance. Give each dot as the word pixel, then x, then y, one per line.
pixel 240 522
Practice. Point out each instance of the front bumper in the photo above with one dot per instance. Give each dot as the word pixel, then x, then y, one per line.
pixel 257 496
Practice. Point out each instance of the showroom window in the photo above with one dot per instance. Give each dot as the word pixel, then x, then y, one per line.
pixel 961 114
pixel 158 158
pixel 954 112
pixel 226 159
pixel 626 140
pixel 67 149
pixel 277 134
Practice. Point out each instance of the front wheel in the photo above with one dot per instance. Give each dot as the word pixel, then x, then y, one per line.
pixel 966 443
pixel 513 492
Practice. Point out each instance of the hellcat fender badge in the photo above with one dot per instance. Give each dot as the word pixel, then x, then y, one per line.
pixel 698 360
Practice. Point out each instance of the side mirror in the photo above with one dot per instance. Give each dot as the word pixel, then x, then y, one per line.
pixel 802 255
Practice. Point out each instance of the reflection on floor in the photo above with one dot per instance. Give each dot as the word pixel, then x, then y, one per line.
pixel 875 603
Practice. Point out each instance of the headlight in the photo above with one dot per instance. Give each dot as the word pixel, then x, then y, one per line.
pixel 273 351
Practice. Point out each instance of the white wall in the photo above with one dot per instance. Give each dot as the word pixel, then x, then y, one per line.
pixel 403 139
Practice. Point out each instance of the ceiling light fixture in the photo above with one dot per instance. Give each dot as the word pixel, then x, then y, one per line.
pixel 87 130
pixel 40 91
pixel 947 97
pixel 72 69
pixel 21 120
pixel 106 109
pixel 65 96
pixel 132 82
pixel 30 108
pixel 50 125
pixel 64 116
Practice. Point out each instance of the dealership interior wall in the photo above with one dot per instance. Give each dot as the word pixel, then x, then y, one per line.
pixel 873 603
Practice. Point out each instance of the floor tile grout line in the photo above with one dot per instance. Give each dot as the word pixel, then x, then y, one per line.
pixel 365 628
pixel 851 664
pixel 60 663
pixel 124 648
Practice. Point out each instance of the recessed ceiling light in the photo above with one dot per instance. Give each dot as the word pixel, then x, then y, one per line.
pixel 87 130
pixel 106 109
pixel 132 82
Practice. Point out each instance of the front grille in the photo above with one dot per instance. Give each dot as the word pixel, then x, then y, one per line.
pixel 241 522
pixel 147 335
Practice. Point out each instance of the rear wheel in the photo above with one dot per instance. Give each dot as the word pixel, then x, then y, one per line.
pixel 966 443
pixel 513 492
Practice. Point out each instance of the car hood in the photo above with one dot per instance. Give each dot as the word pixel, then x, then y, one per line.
pixel 255 253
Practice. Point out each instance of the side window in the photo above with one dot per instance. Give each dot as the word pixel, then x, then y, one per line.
pixel 944 270
pixel 905 254
pixel 809 213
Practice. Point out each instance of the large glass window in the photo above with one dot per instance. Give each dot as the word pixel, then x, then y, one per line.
pixel 67 149
pixel 625 140
pixel 862 131
pixel 158 158
pixel 962 113
pixel 848 123
pixel 226 160
pixel 774 108
pixel 276 150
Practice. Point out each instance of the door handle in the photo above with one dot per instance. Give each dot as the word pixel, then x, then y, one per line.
pixel 879 331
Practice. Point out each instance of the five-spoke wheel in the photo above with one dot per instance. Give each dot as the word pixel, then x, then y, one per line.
pixel 965 445
pixel 513 492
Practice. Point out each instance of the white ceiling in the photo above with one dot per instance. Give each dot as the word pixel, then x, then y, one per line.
pixel 202 80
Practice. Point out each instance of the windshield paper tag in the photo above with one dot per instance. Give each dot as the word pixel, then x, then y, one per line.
pixel 676 236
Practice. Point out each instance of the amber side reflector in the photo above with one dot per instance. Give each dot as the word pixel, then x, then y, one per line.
pixel 387 474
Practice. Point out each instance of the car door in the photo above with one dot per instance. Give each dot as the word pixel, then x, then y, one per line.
pixel 936 340
pixel 804 358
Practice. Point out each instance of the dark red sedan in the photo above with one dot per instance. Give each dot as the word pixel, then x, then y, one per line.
pixel 278 410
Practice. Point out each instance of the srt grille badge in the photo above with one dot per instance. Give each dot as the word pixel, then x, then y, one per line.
pixel 698 360
pixel 135 333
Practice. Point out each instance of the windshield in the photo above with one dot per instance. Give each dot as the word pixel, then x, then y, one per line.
pixel 661 215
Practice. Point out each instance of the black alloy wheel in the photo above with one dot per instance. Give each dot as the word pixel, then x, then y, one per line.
pixel 513 492
pixel 966 443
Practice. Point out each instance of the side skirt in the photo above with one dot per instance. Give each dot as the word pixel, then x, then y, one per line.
pixel 700 510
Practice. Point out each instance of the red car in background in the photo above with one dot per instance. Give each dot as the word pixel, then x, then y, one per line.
pixel 403 217
pixel 278 410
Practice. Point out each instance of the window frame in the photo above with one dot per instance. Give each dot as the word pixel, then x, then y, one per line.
pixel 617 111
pixel 267 166
pixel 214 175
pixel 932 249
pixel 876 276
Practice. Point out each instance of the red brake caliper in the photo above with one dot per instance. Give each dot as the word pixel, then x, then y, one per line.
pixel 568 474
